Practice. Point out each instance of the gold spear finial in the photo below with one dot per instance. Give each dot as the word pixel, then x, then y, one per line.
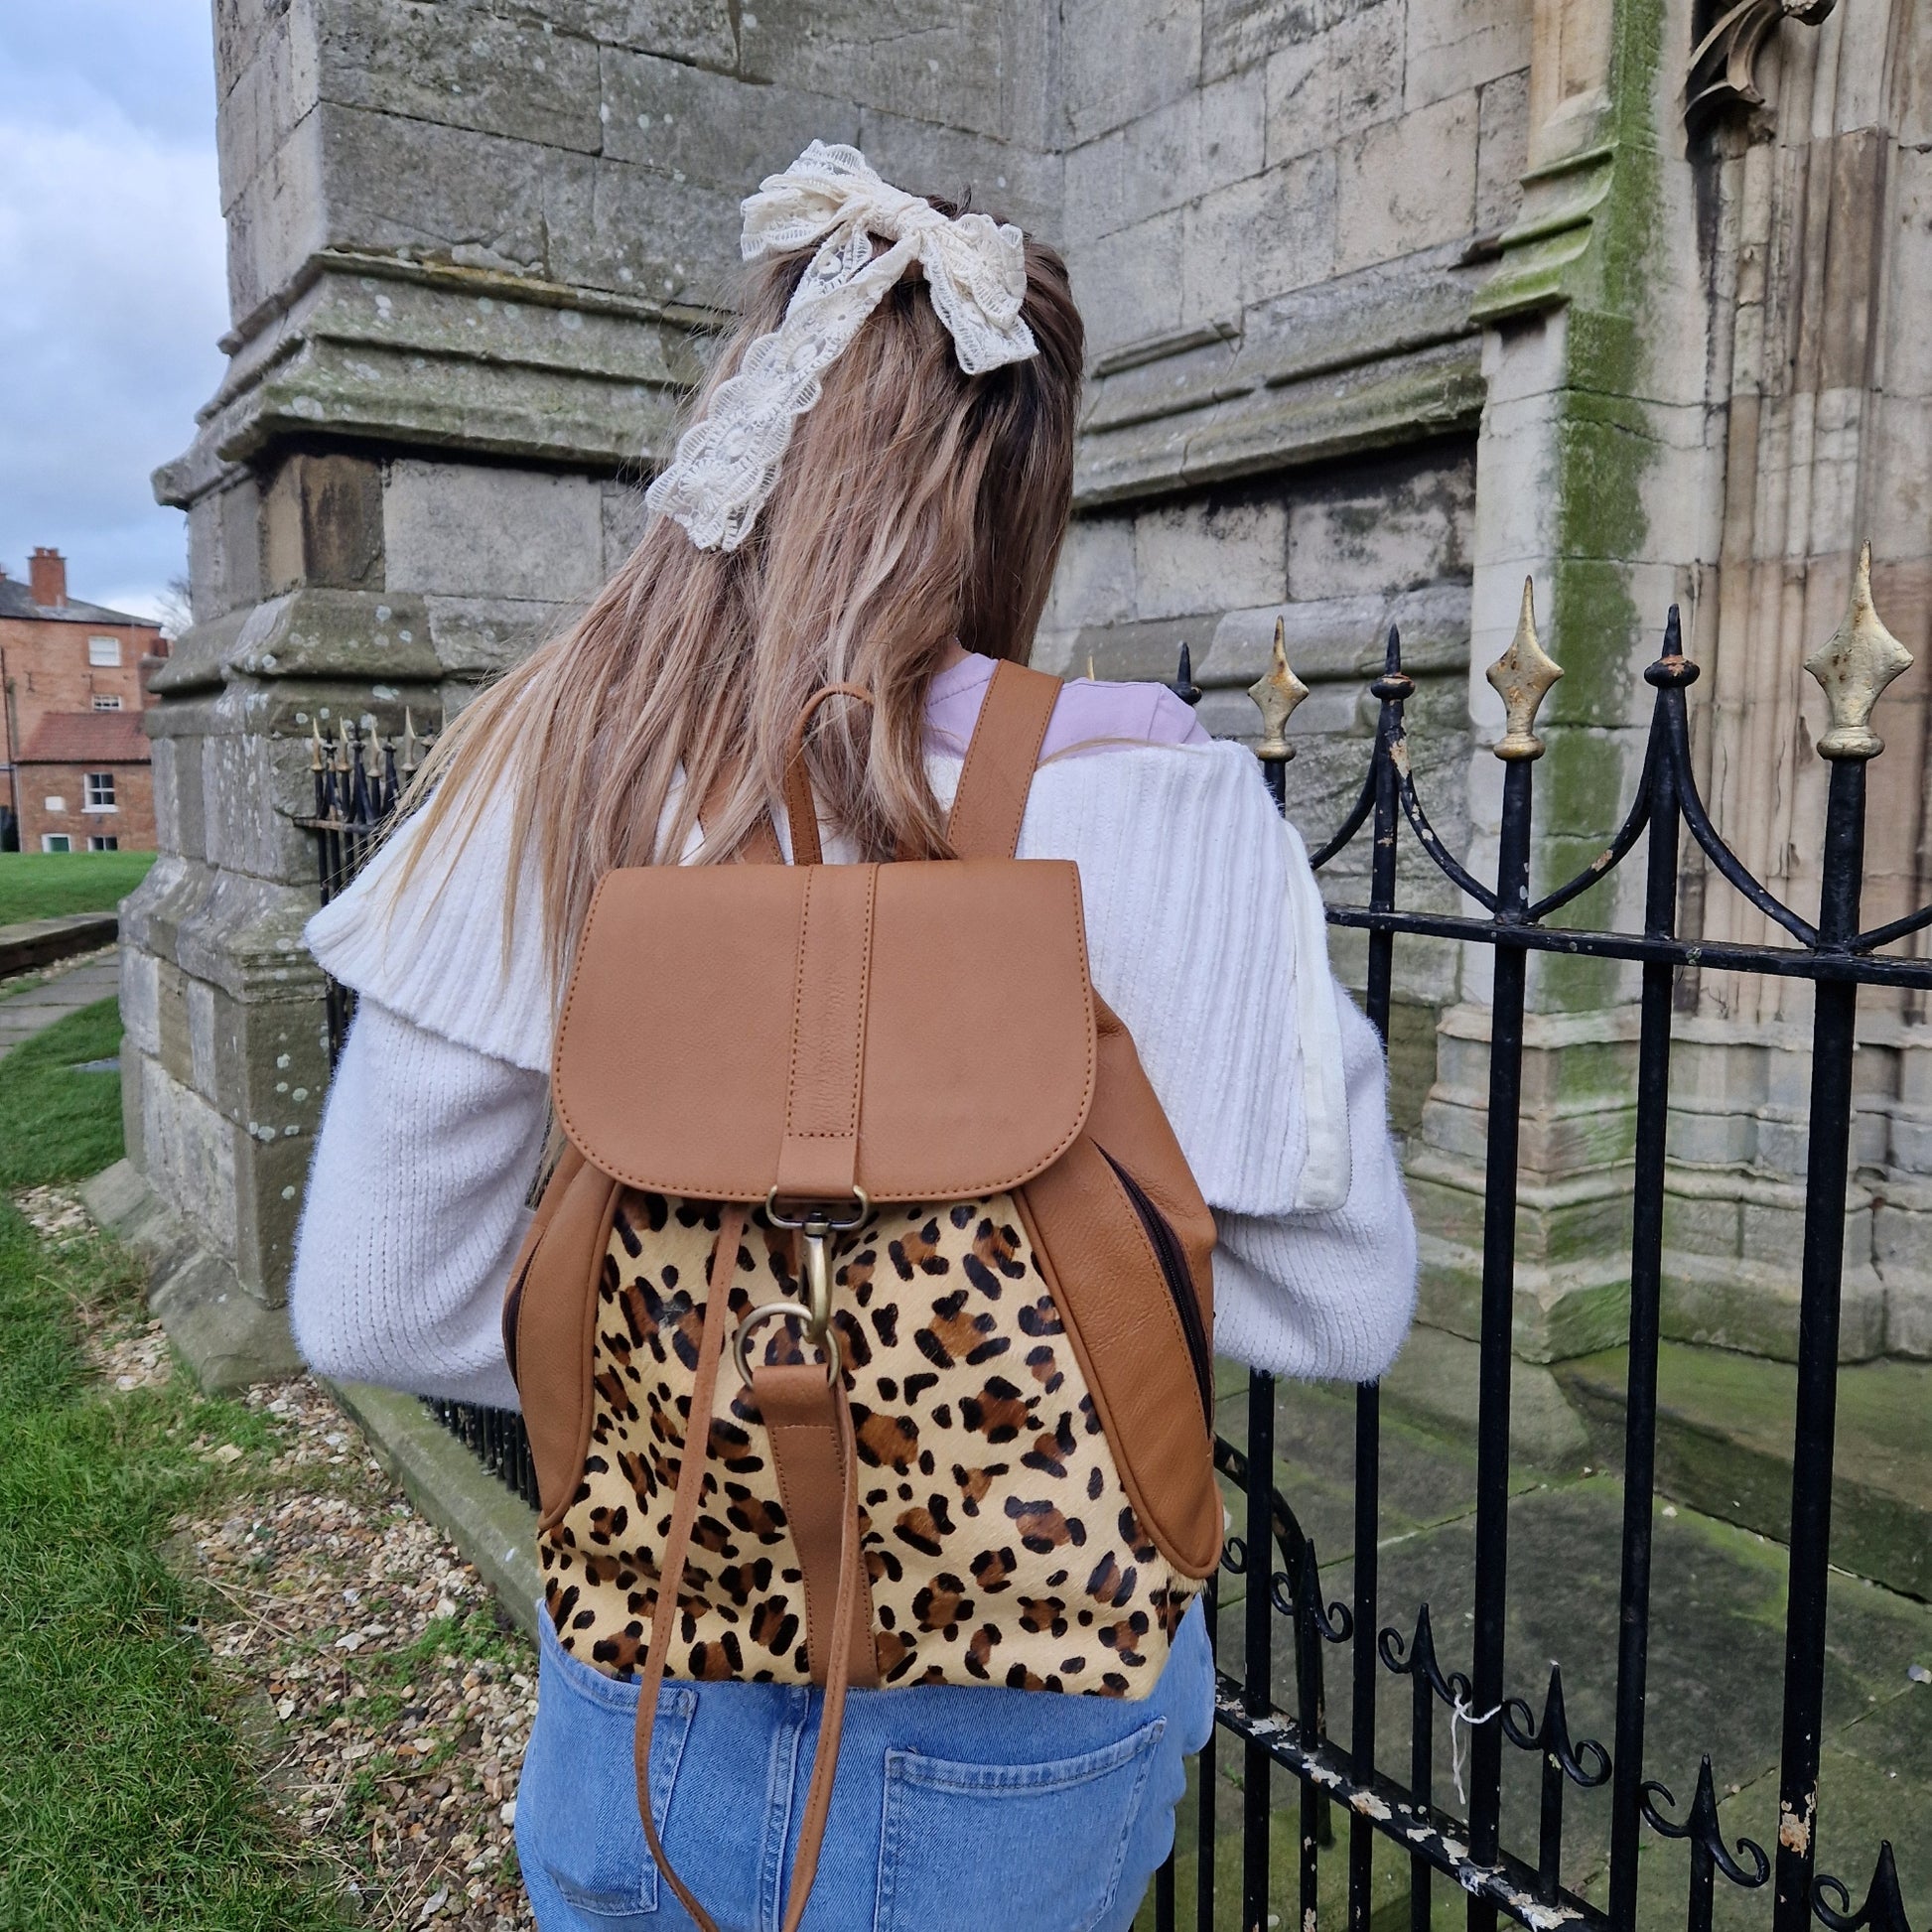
pixel 317 758
pixel 1853 667
pixel 1522 677
pixel 1276 693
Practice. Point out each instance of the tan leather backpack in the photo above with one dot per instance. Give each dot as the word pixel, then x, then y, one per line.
pixel 870 1123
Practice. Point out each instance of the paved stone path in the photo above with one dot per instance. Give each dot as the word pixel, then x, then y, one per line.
pixel 69 988
pixel 1716 1642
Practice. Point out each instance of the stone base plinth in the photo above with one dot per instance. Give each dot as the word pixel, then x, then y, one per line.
pixel 1734 1186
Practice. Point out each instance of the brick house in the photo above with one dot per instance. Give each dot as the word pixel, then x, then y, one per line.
pixel 85 785
pixel 64 663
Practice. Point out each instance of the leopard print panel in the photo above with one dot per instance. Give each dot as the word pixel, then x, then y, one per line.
pixel 1002 1547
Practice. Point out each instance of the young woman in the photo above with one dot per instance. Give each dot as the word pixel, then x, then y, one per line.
pixel 874 491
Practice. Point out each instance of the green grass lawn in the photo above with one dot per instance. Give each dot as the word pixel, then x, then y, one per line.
pixel 126 1800
pixel 49 884
pixel 57 1124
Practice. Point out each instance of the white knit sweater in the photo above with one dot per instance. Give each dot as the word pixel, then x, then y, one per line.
pixel 1206 934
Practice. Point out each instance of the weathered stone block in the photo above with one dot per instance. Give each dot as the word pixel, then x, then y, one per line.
pixel 1395 532
pixel 322 524
pixel 254 787
pixel 940 61
pixel 1699 1223
pixel 270 1174
pixel 393 185
pixel 1095 580
pixel 677 120
pixel 1003 178
pixel 190 1152
pixel 1237 33
pixel 1272 232
pixel 446 525
pixel 1502 150
pixel 483 636
pixel 625 515
pixel 267 96
pixel 1458 45
pixel 1129 287
pixel 462 67
pixel 1203 557
pixel 140 995
pixel 1346 637
pixel 1347 77
pixel 1407 184
pixel 279 218
pixel 649 234
pixel 240 29
pixel 1172 155
pixel 1103 90
pixel 700 33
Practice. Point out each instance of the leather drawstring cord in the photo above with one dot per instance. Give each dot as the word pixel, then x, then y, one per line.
pixel 684 1511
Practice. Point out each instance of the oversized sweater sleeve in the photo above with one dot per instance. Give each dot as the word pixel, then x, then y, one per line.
pixel 414 1212
pixel 1326 1294
pixel 1208 939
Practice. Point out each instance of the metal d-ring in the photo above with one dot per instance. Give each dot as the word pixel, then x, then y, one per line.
pixel 828 1342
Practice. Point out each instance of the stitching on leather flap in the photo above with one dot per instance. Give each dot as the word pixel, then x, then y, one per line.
pixel 983 949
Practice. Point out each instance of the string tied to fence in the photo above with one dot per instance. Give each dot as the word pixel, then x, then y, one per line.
pixel 1461 1714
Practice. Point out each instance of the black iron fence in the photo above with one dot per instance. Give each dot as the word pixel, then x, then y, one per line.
pixel 359 779
pixel 1400 1812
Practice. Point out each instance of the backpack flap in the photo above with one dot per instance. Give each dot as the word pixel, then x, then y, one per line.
pixel 922 1030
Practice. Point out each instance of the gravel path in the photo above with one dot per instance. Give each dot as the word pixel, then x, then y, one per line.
pixel 350 1646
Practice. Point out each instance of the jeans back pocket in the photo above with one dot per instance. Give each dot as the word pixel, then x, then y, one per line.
pixel 1039 1846
pixel 577 1804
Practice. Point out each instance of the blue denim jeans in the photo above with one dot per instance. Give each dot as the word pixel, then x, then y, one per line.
pixel 1025 1811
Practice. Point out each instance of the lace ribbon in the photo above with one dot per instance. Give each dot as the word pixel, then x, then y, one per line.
pixel 976 273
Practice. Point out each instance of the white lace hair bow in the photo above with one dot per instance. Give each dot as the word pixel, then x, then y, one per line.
pixel 976 273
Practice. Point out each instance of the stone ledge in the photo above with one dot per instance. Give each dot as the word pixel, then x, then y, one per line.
pixel 228 1337
pixel 1435 1385
pixel 229 1341
pixel 42 942
pixel 1724 1445
pixel 493 1528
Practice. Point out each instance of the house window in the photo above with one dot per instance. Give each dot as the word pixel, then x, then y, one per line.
pixel 105 701
pixel 104 651
pixel 109 844
pixel 100 792
pixel 54 803
pixel 56 842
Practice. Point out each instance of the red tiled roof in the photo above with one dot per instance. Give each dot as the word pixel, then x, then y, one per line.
pixel 87 738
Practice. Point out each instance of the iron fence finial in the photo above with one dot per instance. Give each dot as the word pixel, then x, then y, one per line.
pixel 1276 693
pixel 1184 686
pixel 1853 667
pixel 1522 677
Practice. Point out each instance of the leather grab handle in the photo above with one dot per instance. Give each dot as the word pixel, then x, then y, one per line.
pixel 801 808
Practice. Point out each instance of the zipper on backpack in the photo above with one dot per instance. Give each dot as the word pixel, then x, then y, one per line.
pixel 1180 1283
pixel 512 1307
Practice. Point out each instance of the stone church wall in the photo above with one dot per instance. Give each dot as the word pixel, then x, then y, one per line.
pixel 1391 306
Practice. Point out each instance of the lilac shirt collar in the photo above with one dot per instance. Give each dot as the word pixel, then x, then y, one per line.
pixel 1090 714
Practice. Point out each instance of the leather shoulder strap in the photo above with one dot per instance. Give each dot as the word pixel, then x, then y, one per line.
pixel 760 847
pixel 999 769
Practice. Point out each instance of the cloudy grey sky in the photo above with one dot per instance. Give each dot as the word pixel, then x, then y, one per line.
pixel 111 282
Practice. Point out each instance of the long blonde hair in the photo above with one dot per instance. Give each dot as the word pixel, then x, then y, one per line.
pixel 915 505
